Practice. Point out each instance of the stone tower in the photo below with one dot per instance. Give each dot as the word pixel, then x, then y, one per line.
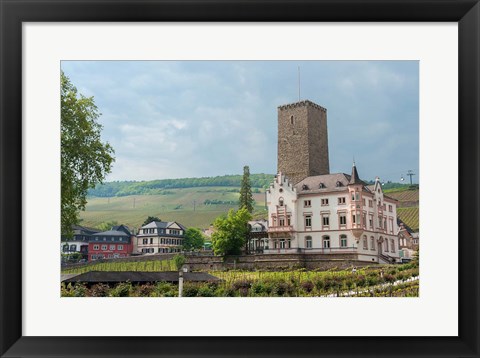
pixel 302 140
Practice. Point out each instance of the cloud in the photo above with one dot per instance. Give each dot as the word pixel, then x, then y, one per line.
pixel 169 119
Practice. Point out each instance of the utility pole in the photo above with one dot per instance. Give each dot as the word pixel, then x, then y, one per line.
pixel 410 174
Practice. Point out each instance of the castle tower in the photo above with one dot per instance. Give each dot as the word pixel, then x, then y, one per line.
pixel 302 140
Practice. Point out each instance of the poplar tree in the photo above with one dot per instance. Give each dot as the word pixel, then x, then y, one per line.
pixel 246 197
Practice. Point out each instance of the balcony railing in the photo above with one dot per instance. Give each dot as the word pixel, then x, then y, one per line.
pixel 274 229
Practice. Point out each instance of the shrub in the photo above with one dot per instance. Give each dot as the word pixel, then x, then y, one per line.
pixel 144 290
pixel 79 290
pixel 242 284
pixel 372 280
pixel 123 289
pixel 307 286
pixel 67 290
pixel 282 288
pixel 361 281
pixel 258 288
pixel 243 291
pixel 389 278
pixel 190 290
pixel 319 284
pixel 164 289
pixel 205 291
pixel 99 290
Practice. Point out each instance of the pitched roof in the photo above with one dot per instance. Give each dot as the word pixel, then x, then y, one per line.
pixel 112 233
pixel 139 276
pixel 85 230
pixel 355 178
pixel 162 225
pixel 122 228
pixel 408 228
pixel 325 183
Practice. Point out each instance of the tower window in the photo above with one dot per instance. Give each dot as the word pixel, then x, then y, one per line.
pixel 291 119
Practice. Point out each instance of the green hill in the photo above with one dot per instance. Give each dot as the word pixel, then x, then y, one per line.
pixel 197 207
pixel 162 187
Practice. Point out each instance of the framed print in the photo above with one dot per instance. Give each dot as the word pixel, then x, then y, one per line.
pixel 407 73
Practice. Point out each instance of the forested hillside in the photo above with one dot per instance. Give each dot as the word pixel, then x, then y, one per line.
pixel 160 187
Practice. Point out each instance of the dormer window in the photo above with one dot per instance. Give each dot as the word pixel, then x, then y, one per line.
pixel 339 183
pixel 304 187
pixel 321 186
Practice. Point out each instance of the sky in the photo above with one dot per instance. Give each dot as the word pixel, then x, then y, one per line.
pixel 182 119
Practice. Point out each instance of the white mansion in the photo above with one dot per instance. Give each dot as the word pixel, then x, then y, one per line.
pixel 332 214
pixel 313 211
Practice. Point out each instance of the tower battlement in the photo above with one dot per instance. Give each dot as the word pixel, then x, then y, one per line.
pixel 301 103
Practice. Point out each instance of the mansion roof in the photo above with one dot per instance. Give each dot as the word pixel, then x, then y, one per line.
pixel 326 183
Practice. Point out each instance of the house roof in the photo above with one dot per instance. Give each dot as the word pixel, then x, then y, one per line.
pixel 85 230
pixel 162 225
pixel 325 183
pixel 408 228
pixel 122 228
pixel 262 223
pixel 112 233
pixel 138 276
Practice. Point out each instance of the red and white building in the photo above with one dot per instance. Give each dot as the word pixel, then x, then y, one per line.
pixel 332 214
pixel 115 243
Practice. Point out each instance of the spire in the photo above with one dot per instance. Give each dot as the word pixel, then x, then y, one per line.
pixel 354 179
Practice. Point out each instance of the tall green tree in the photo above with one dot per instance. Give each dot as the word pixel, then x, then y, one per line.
pixel 193 239
pixel 246 197
pixel 150 219
pixel 231 232
pixel 85 159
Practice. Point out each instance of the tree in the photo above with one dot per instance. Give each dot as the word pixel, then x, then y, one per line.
pixel 246 197
pixel 150 219
pixel 107 225
pixel 85 160
pixel 194 239
pixel 231 232
pixel 179 261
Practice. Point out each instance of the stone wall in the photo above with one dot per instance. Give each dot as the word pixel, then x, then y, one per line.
pixel 302 140
pixel 274 262
pixel 141 258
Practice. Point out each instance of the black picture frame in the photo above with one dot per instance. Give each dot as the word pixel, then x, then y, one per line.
pixel 15 12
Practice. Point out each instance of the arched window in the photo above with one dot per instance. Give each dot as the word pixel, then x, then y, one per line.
pixel 326 242
pixel 365 242
pixel 372 243
pixel 308 242
pixel 386 244
pixel 73 247
pixel 280 202
pixel 393 245
pixel 291 120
